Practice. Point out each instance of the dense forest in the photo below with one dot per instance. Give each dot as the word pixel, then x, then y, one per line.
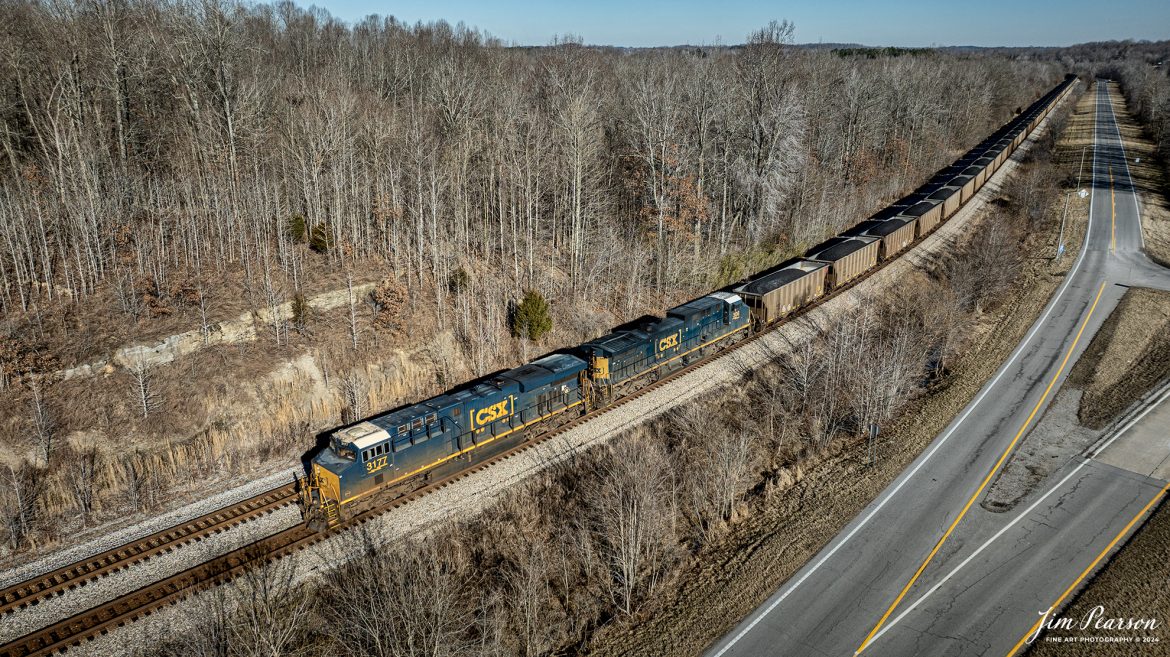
pixel 157 148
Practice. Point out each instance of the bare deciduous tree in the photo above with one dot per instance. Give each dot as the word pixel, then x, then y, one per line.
pixel 718 459
pixel 355 390
pixel 403 604
pixel 634 508
pixel 19 494
pixel 83 464
pixel 44 424
pixel 270 611
pixel 142 385
pixel 143 484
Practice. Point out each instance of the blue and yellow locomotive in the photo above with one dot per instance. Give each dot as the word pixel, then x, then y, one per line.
pixel 442 434
pixel 413 445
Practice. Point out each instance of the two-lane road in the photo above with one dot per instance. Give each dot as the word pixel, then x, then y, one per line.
pixel 924 569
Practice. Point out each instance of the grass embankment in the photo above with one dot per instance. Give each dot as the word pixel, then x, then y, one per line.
pixel 732 576
pixel 1126 359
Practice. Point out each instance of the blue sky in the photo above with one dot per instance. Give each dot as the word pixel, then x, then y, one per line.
pixel 905 23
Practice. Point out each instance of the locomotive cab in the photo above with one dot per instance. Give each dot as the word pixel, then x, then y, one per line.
pixel 333 477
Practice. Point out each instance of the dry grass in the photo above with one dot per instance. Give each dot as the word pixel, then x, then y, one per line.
pixel 732 576
pixel 1127 357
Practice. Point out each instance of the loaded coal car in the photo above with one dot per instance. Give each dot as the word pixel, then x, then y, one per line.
pixel 926 215
pixel 1006 148
pixel 924 192
pixel 409 446
pixel 1018 137
pixel 895 234
pixel 987 169
pixel 966 185
pixel 847 257
pixel 949 196
pixel 783 290
pixel 971 174
pixel 656 346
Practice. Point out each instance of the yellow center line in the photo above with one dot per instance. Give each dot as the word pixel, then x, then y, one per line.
pixel 1085 573
pixel 1112 213
pixel 987 479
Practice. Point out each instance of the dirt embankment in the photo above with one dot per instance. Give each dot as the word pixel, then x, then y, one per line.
pixel 731 577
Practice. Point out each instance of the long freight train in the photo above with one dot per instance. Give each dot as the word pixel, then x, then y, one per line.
pixel 411 446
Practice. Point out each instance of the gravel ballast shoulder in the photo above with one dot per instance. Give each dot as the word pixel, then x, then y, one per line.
pixel 147 527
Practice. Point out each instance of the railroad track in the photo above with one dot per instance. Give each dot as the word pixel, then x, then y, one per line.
pixel 62 580
pixel 127 608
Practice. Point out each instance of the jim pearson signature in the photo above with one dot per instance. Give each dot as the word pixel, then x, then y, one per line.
pixel 1095 619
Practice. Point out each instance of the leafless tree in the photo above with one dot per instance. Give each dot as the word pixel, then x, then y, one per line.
pixel 529 594
pixel 271 610
pixel 718 459
pixel 19 494
pixel 355 390
pixel 634 508
pixel 403 604
pixel 83 464
pixel 204 322
pixel 142 481
pixel 44 424
pixel 351 301
pixel 143 390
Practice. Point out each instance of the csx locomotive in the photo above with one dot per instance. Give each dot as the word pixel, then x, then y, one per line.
pixel 410 446
pixel 413 445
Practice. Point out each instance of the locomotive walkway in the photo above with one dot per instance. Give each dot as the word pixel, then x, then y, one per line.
pixel 924 569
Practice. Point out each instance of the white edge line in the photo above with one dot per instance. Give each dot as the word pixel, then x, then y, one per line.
pixel 938 443
pixel 1018 518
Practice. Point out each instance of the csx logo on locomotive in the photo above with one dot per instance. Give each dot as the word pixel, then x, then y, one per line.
pixel 669 342
pixel 490 414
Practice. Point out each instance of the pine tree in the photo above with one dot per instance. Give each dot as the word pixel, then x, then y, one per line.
pixel 320 239
pixel 297 229
pixel 531 318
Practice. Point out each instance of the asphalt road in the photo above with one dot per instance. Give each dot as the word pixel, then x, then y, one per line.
pixel 984 587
